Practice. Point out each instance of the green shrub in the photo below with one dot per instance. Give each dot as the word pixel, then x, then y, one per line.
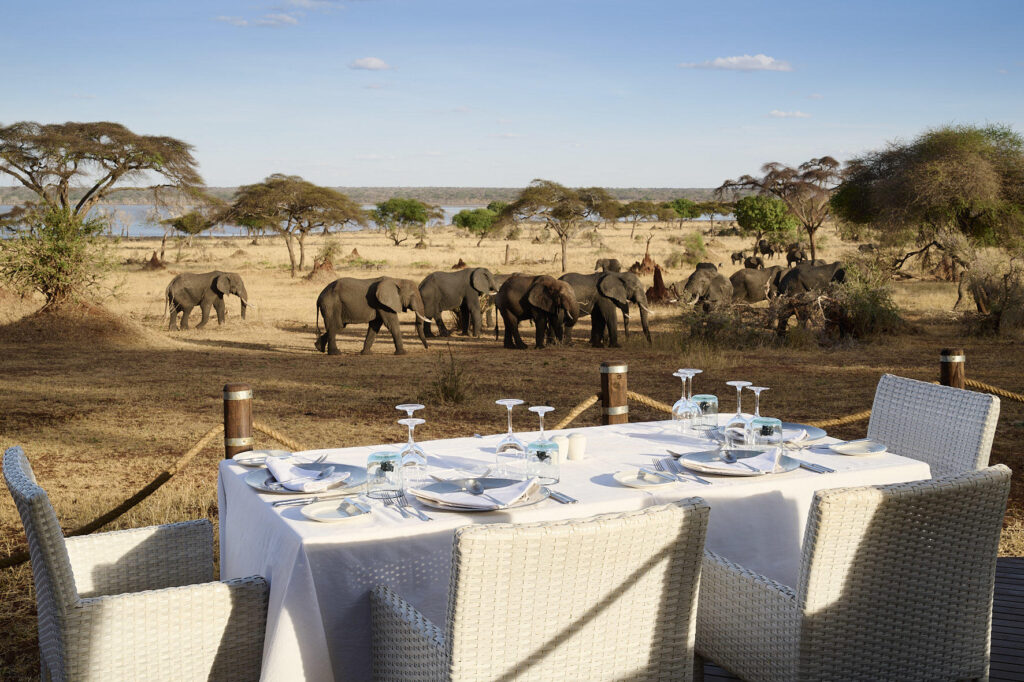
pixel 451 384
pixel 329 252
pixel 676 259
pixel 864 304
pixel 696 251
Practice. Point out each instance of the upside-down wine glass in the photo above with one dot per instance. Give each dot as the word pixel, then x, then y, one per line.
pixel 685 412
pixel 736 427
pixel 510 443
pixel 542 454
pixel 765 433
pixel 412 454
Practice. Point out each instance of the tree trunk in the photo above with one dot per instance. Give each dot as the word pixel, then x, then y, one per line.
pixel 565 257
pixel 302 250
pixel 632 230
pixel 291 250
pixel 810 240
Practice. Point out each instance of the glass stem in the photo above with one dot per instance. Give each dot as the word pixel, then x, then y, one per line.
pixel 739 400
pixel 757 403
pixel 510 420
pixel 411 441
pixel 690 392
pixel 683 396
pixel 542 437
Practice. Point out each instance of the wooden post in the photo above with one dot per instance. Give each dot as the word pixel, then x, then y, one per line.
pixel 614 409
pixel 237 419
pixel 951 367
pixel 507 248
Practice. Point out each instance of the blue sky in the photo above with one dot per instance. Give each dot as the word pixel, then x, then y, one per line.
pixel 494 93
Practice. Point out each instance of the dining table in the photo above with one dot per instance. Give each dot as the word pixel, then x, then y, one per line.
pixel 321 574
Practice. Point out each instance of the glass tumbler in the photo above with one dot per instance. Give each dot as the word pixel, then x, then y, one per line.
pixel 384 474
pixel 765 433
pixel 708 410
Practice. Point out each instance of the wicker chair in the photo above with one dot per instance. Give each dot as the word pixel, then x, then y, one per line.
pixel 949 428
pixel 609 597
pixel 124 605
pixel 895 584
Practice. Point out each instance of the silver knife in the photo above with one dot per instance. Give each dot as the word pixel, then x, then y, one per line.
pixel 674 464
pixel 817 468
pixel 305 500
pixel 659 474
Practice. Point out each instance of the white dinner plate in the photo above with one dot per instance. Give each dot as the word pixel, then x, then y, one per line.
pixel 858 448
pixel 333 511
pixel 632 479
pixel 258 458
pixel 259 478
pixel 540 495
pixel 697 462
pixel 814 433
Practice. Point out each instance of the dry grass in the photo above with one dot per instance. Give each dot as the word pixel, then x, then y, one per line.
pixel 99 409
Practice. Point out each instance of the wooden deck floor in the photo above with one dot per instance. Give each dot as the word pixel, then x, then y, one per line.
pixel 1007 626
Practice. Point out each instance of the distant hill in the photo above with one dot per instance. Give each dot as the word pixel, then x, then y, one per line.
pixel 444 196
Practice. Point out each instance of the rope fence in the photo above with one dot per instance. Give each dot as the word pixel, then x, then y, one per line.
pixel 238 424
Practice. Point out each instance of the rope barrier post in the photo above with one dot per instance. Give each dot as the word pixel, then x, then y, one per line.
pixel 951 367
pixel 237 419
pixel 614 409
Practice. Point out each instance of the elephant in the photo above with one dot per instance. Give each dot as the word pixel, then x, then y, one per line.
pixel 753 263
pixel 806 277
pixel 377 301
pixel 549 302
pixel 459 291
pixel 751 286
pixel 191 289
pixel 795 254
pixel 708 287
pixel 598 295
pixel 737 257
pixel 766 249
pixel 608 265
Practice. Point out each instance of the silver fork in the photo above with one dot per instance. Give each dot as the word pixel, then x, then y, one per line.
pixel 673 464
pixel 391 500
pixel 403 503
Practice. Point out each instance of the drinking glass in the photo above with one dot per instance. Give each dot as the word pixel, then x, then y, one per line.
pixel 736 427
pixel 685 413
pixel 412 454
pixel 765 433
pixel 542 454
pixel 384 474
pixel 510 443
pixel 709 412
pixel 756 390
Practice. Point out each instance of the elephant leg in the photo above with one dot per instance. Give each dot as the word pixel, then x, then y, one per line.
pixel 542 330
pixel 474 317
pixel 391 322
pixel 185 311
pixel 205 308
pixel 597 328
pixel 172 323
pixel 371 333
pixel 218 305
pixel 330 337
pixel 427 330
pixel 442 330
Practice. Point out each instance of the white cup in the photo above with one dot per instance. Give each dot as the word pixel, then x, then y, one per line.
pixel 577 446
pixel 563 447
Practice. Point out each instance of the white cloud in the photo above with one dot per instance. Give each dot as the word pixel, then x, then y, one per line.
pixel 815 95
pixel 504 121
pixel 370 64
pixel 507 136
pixel 462 109
pixel 278 19
pixel 746 62
pixel 775 113
pixel 281 19
pixel 234 21
pixel 375 157
pixel 82 95
pixel 313 4
pixel 375 86
pixel 1002 71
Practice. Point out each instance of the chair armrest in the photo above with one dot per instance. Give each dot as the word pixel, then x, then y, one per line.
pixel 406 646
pixel 746 623
pixel 142 558
pixel 209 631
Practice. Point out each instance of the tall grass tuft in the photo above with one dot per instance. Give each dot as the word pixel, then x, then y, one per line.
pixel 451 384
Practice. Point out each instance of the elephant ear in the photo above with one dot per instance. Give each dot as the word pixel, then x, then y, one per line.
pixel 222 284
pixel 478 280
pixel 387 295
pixel 541 297
pixel 613 288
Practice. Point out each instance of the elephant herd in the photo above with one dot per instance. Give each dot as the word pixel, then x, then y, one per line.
pixel 711 289
pixel 554 306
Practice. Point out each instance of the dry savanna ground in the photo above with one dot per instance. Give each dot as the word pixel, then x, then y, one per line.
pixel 102 407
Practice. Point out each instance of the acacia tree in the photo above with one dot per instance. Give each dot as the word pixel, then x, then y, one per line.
pixel 635 211
pixel 711 209
pixel 806 190
pixel 70 168
pixel 684 209
pixel 565 210
pixel 399 218
pixel 760 216
pixel 955 180
pixel 293 208
pixel 479 222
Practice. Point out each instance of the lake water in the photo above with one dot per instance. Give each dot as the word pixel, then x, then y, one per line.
pixel 128 220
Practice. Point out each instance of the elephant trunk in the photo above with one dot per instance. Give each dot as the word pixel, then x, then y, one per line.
pixel 419 327
pixel 243 295
pixel 641 302
pixel 245 305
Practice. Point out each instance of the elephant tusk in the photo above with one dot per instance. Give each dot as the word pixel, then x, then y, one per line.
pixel 422 318
pixel 644 308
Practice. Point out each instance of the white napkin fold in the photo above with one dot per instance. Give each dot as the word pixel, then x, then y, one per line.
pixel 492 498
pixel 767 462
pixel 794 435
pixel 455 474
pixel 301 480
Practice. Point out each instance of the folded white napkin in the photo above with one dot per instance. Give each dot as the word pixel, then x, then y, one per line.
pixel 766 462
pixel 443 474
pixel 794 435
pixel 492 498
pixel 301 480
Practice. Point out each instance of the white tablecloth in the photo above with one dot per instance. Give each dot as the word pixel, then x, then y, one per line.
pixel 320 575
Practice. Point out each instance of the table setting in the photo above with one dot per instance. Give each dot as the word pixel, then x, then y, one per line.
pixel 327 526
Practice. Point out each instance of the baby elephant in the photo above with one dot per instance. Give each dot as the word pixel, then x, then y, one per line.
pixel 191 289
pixel 737 257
